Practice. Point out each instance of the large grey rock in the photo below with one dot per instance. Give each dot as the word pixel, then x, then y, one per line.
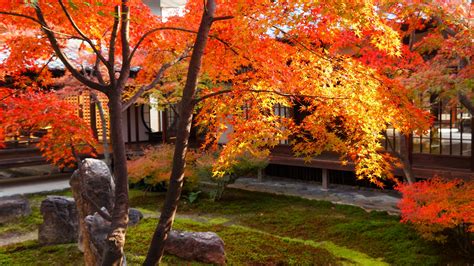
pixel 134 216
pixel 94 181
pixel 13 207
pixel 60 222
pixel 92 186
pixel 206 247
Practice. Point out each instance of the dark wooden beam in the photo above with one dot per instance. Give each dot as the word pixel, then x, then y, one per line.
pixel 129 127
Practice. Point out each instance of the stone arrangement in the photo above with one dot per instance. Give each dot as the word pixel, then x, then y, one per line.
pixel 60 221
pixel 13 207
pixel 206 247
pixel 64 219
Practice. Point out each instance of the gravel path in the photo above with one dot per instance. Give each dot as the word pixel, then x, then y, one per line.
pixel 368 199
pixel 17 238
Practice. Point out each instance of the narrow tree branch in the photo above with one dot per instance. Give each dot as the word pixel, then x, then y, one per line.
pixel 466 102
pixel 96 207
pixel 46 64
pixel 69 36
pixel 226 44
pixel 85 38
pixel 57 49
pixel 144 36
pixel 217 93
pixel 156 80
pixel 222 18
pixel 319 55
pixel 20 15
pixel 113 39
pixel 97 72
pixel 103 123
pixel 125 40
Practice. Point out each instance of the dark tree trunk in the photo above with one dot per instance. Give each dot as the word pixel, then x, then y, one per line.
pixel 155 252
pixel 116 238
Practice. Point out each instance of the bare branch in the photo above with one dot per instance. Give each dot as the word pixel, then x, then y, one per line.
pixel 57 49
pixel 85 38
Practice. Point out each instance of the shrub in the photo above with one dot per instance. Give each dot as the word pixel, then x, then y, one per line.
pixel 243 165
pixel 154 168
pixel 440 210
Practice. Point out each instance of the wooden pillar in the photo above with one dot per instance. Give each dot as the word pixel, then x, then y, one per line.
pixel 93 117
pixel 472 143
pixel 129 127
pixel 260 175
pixel 410 148
pixel 137 125
pixel 164 116
pixel 325 179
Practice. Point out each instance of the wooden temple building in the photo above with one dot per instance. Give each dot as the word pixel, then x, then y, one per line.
pixel 446 150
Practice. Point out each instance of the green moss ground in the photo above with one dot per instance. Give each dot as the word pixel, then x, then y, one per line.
pixel 260 228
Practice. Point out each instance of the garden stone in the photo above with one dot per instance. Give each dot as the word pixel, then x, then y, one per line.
pixel 206 247
pixel 134 216
pixel 93 187
pixel 59 221
pixel 98 229
pixel 13 207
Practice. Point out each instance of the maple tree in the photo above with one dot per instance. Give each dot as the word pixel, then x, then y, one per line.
pixel 437 207
pixel 256 55
pixel 33 31
pixel 274 59
pixel 435 60
pixel 67 136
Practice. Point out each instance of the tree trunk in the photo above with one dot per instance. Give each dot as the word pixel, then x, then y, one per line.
pixel 155 252
pixel 103 122
pixel 113 254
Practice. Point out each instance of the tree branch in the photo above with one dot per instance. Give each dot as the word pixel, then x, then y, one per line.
pixel 97 72
pixel 222 18
pixel 125 39
pixel 466 102
pixel 85 38
pixel 217 93
pixel 20 15
pixel 148 33
pixel 144 36
pixel 226 44
pixel 55 45
pixel 156 80
pixel 39 23
pixel 96 207
pixel 113 39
